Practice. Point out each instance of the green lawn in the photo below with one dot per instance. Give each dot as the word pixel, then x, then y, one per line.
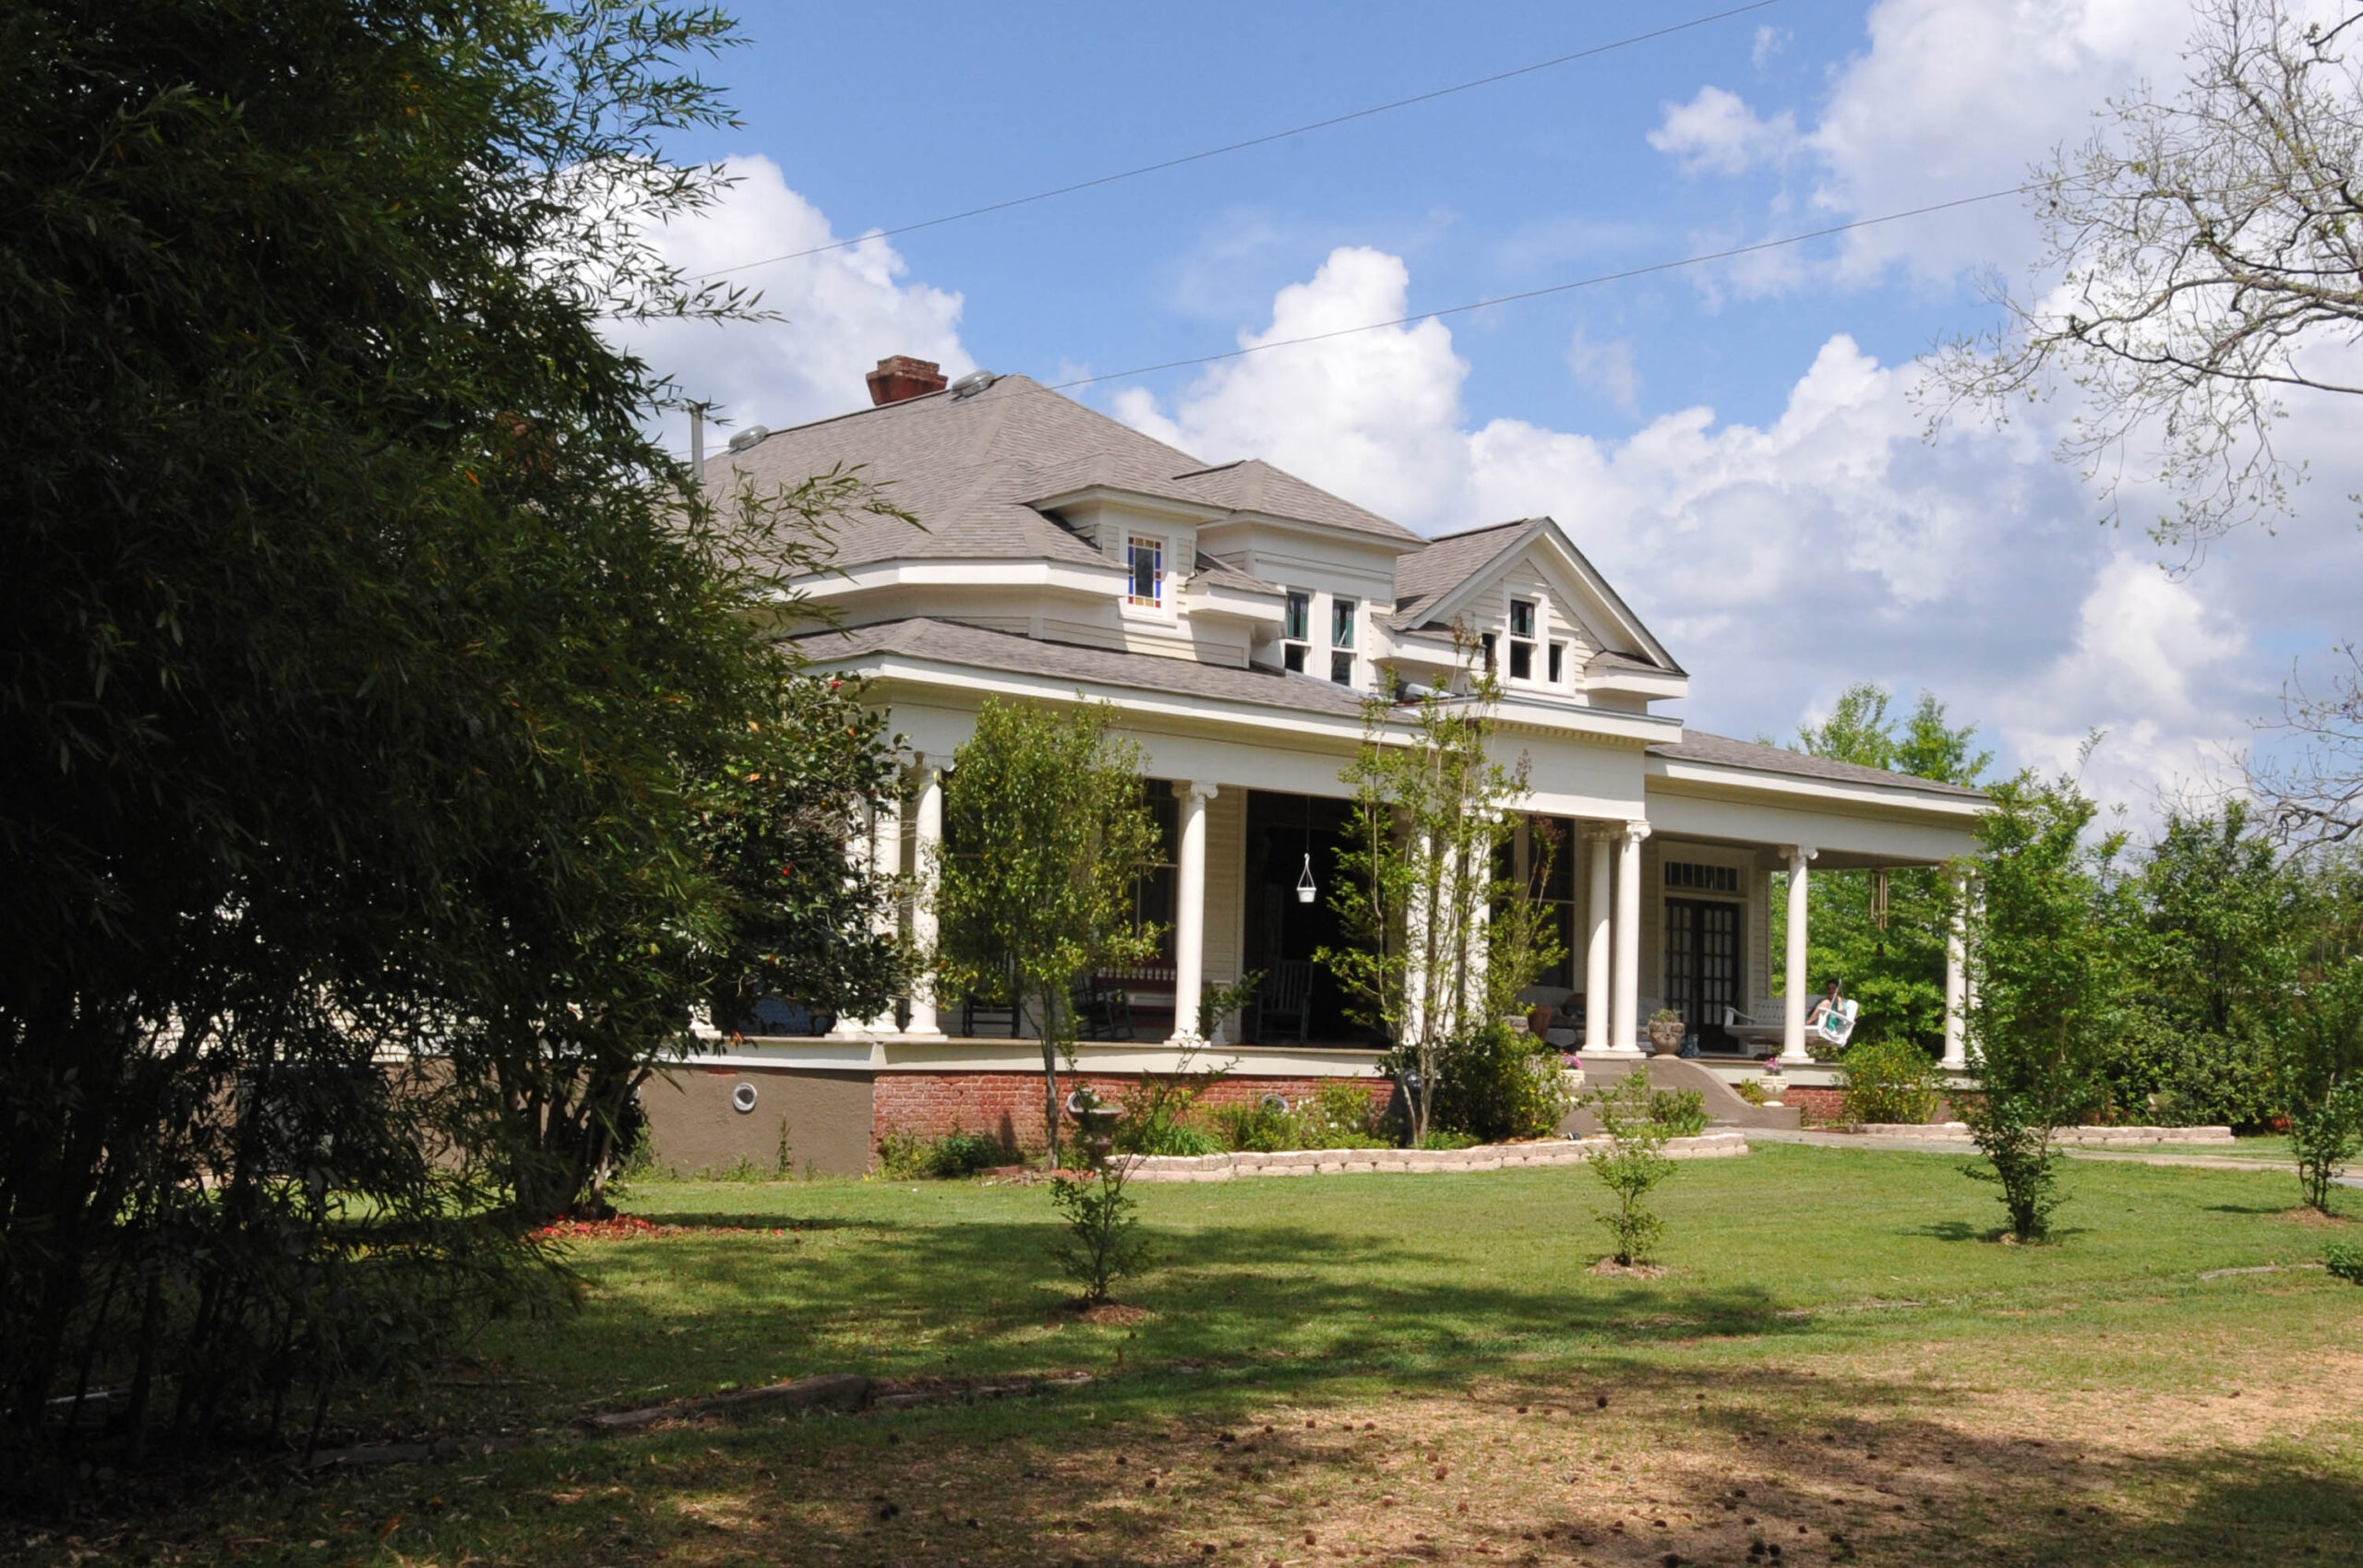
pixel 1842 1362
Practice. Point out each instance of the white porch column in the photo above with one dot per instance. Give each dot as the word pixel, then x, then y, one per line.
pixel 1793 1017
pixel 1189 911
pixel 886 856
pixel 1957 975
pixel 1625 1017
pixel 1598 845
pixel 926 827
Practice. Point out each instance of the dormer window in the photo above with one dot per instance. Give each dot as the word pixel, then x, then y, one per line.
pixel 1522 622
pixel 1296 631
pixel 1558 664
pixel 1146 558
pixel 1343 640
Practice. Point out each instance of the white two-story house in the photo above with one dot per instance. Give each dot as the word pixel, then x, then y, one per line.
pixel 1239 619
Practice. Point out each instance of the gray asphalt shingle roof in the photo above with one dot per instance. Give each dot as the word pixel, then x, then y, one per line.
pixel 1422 580
pixel 1698 745
pixel 971 469
pixel 953 643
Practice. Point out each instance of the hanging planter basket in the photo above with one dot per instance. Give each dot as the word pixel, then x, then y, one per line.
pixel 1306 889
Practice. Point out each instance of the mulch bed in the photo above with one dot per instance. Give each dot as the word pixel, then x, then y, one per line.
pixel 631 1227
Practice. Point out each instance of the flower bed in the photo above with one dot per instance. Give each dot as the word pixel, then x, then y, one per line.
pixel 2079 1135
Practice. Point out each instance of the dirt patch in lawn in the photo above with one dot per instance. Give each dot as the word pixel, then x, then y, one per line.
pixel 1712 1470
pixel 1119 1314
pixel 2313 1219
pixel 1609 1268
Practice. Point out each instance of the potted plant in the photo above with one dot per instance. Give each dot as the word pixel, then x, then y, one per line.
pixel 1776 1083
pixel 1666 1031
pixel 1571 1070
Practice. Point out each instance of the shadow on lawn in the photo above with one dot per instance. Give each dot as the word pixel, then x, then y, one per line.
pixel 1269 1293
pixel 1680 1466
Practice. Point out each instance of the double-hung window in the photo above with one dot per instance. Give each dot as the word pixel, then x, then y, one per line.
pixel 1343 640
pixel 1296 631
pixel 1146 558
pixel 1522 621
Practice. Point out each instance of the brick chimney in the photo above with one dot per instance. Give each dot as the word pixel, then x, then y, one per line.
pixel 899 376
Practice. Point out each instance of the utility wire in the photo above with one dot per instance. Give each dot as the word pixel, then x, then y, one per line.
pixel 1241 146
pixel 1593 281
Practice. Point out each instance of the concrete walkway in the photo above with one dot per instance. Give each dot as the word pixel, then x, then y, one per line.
pixel 1963 1146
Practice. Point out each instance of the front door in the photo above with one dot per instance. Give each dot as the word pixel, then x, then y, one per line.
pixel 1702 975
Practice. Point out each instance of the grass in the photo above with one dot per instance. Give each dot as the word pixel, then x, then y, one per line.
pixel 1840 1362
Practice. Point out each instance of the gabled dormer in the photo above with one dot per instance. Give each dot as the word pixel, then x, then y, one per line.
pixel 1548 623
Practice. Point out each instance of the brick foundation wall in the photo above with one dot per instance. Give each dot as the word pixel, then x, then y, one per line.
pixel 1009 1104
pixel 1816 1105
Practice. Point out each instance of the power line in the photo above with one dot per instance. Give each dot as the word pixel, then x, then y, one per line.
pixel 1241 146
pixel 1592 281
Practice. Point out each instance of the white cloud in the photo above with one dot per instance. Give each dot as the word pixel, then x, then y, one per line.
pixel 845 310
pixel 1389 401
pixel 1718 132
pixel 1769 42
pixel 1784 561
pixel 1608 369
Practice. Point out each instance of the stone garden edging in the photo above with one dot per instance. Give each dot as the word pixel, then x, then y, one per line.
pixel 2078 1135
pixel 1355 1162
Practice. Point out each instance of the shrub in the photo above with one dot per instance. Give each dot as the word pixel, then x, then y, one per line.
pixel 1632 1165
pixel 1256 1126
pixel 1438 1138
pixel 1498 1084
pixel 2345 1259
pixel 1159 1111
pixel 1751 1092
pixel 1340 1115
pixel 1682 1112
pixel 1889 1080
pixel 1103 1242
pixel 902 1156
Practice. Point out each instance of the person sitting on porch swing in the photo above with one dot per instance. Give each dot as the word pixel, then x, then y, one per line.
pixel 1825 1007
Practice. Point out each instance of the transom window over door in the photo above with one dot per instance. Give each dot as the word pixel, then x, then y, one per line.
pixel 1522 623
pixel 1146 558
pixel 1296 631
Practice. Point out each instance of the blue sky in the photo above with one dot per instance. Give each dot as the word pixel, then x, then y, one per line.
pixel 883 115
pixel 1738 445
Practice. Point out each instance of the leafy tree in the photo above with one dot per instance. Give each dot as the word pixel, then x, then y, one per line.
pixel 1046 832
pixel 1440 941
pixel 2047 953
pixel 2200 271
pixel 765 904
pixel 1896 969
pixel 2219 922
pixel 360 660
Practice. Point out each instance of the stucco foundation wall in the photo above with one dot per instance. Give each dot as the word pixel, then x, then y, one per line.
pixel 825 1118
pixel 1009 1104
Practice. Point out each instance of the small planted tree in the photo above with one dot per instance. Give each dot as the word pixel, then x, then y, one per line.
pixel 1103 1242
pixel 1046 832
pixel 2318 1033
pixel 1632 1164
pixel 1440 941
pixel 2048 952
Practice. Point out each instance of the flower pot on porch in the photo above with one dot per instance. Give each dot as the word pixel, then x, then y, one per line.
pixel 1666 1034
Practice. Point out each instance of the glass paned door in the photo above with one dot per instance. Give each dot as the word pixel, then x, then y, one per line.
pixel 1702 965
